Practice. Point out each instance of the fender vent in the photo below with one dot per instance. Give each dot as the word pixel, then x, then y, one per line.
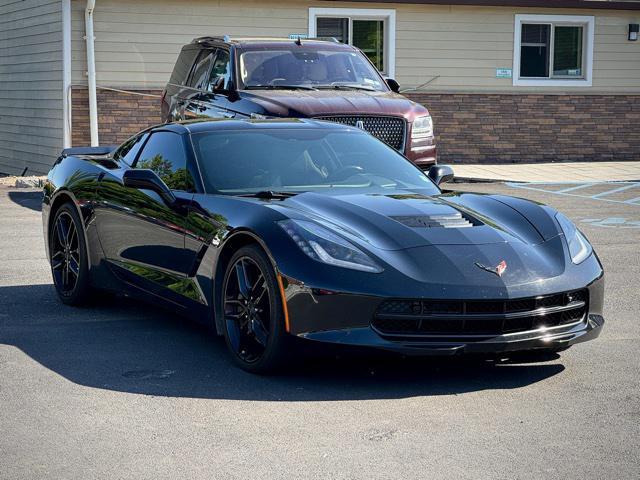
pixel 452 220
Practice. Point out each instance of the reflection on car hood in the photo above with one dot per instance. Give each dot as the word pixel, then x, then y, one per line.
pixel 408 220
pixel 310 103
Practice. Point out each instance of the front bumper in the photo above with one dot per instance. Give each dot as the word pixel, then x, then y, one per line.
pixel 346 319
pixel 555 339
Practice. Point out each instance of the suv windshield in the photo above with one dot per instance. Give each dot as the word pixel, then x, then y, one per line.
pixel 236 162
pixel 298 66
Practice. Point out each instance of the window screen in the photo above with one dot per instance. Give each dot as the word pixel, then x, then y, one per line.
pixel 534 50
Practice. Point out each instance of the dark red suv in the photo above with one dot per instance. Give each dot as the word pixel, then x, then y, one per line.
pixel 311 78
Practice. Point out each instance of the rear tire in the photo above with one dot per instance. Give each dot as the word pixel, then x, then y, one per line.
pixel 254 323
pixel 68 256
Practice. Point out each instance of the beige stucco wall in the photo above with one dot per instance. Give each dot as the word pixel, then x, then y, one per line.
pixel 137 40
pixel 31 128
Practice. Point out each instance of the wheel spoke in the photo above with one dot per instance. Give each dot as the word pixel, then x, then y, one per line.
pixel 74 267
pixel 260 333
pixel 61 231
pixel 241 275
pixel 73 233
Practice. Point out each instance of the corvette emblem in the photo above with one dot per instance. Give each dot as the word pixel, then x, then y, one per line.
pixel 498 269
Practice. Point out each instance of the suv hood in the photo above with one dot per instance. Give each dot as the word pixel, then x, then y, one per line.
pixel 407 220
pixel 311 103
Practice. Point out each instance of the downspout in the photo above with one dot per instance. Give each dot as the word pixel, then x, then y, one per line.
pixel 66 73
pixel 91 72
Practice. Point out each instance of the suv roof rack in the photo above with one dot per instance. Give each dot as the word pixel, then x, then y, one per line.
pixel 228 38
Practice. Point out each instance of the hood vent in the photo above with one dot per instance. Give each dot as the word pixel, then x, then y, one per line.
pixel 452 220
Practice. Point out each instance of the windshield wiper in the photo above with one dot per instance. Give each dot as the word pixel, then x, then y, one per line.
pixel 269 194
pixel 279 87
pixel 347 86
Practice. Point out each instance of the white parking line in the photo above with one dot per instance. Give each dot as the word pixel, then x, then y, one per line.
pixel 574 190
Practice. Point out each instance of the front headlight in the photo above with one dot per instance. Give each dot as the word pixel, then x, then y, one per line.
pixel 325 246
pixel 422 128
pixel 579 246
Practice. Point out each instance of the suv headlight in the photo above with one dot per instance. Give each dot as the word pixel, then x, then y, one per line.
pixel 325 246
pixel 579 246
pixel 422 128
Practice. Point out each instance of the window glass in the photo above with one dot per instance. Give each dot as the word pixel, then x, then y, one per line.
pixel 368 36
pixel 567 51
pixel 534 50
pixel 220 73
pixel 164 154
pixel 183 65
pixel 128 151
pixel 337 28
pixel 236 162
pixel 307 66
pixel 201 70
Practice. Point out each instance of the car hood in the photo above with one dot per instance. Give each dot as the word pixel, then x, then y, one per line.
pixel 406 220
pixel 310 103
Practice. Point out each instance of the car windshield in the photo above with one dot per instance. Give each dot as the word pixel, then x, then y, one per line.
pixel 295 160
pixel 305 67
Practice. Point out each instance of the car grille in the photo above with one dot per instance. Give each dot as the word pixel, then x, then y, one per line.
pixel 391 130
pixel 478 318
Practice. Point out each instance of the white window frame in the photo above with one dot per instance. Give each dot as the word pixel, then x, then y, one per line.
pixel 588 22
pixel 388 15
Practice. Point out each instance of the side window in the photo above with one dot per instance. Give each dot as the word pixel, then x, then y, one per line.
pixel 220 73
pixel 200 73
pixel 164 154
pixel 128 151
pixel 183 65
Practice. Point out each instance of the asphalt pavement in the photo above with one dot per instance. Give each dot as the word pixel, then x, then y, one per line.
pixel 120 389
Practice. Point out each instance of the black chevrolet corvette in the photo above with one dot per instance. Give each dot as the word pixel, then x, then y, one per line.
pixel 273 229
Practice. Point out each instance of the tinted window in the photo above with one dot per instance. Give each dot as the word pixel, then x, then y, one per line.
pixel 221 72
pixel 164 154
pixel 201 69
pixel 183 66
pixel 128 151
pixel 235 162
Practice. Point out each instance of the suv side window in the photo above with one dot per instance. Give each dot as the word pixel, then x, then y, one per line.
pixel 128 151
pixel 220 73
pixel 200 73
pixel 183 65
pixel 165 154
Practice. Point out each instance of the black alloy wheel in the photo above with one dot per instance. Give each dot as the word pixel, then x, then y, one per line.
pixel 253 313
pixel 68 255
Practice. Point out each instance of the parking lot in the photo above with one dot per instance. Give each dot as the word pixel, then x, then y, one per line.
pixel 119 389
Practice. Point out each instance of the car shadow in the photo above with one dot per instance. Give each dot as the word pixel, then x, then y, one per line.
pixel 30 199
pixel 122 345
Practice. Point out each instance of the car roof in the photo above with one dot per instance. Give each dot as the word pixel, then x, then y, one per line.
pixel 211 125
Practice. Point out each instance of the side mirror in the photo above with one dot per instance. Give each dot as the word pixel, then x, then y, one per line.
pixel 440 174
pixel 145 179
pixel 393 85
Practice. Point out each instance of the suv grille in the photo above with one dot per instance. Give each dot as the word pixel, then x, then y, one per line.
pixel 459 318
pixel 391 130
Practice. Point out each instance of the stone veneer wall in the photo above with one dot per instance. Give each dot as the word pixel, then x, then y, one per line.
pixel 470 128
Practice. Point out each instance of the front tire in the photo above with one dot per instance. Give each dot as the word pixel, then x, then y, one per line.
pixel 254 325
pixel 68 254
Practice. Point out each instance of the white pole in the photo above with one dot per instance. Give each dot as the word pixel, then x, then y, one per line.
pixel 66 73
pixel 91 72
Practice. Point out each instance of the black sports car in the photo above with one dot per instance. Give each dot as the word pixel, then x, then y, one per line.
pixel 269 229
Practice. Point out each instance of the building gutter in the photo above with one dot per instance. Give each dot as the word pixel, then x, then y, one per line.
pixel 66 73
pixel 91 71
